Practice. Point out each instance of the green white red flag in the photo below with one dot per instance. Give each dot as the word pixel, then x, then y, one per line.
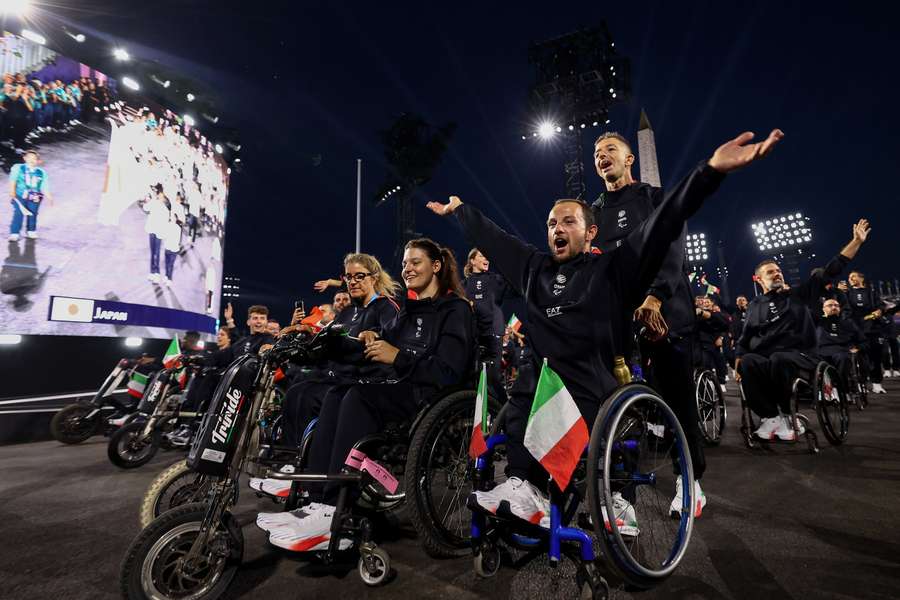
pixel 172 353
pixel 478 445
pixel 137 384
pixel 514 323
pixel 556 434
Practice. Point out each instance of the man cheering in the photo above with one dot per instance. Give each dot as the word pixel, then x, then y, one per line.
pixel 576 300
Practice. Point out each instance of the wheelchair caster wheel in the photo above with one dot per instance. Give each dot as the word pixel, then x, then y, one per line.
pixel 591 585
pixel 487 561
pixel 374 567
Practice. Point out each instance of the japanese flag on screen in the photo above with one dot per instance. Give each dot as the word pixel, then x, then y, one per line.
pixel 76 310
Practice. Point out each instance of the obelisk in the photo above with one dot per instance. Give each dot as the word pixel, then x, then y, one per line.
pixel 647 152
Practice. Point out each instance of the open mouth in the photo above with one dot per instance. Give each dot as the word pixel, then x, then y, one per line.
pixel 605 165
pixel 560 244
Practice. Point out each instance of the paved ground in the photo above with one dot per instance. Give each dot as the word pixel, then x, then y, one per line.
pixel 779 525
pixel 77 256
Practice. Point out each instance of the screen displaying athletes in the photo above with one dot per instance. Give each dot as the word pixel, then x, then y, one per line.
pixel 115 207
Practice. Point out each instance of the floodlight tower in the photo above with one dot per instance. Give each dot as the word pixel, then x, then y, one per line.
pixel 785 238
pixel 578 77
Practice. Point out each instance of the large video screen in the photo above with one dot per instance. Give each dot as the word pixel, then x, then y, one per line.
pixel 114 214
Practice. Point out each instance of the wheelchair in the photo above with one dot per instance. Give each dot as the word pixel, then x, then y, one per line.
pixel 858 384
pixel 634 442
pixel 710 406
pixel 824 388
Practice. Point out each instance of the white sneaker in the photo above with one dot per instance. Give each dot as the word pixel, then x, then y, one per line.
pixel 153 277
pixel 273 487
pixel 767 428
pixel 14 237
pixel 31 235
pixel 118 421
pixel 523 499
pixel 166 281
pixel 896 373
pixel 699 500
pixel 877 388
pixel 887 373
pixel 786 433
pixel 723 388
pixel 307 530
pixel 626 519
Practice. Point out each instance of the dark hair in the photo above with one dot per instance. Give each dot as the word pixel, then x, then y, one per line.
pixel 586 210
pixel 768 261
pixel 448 275
pixel 615 136
pixel 258 309
pixel 341 291
pixel 227 333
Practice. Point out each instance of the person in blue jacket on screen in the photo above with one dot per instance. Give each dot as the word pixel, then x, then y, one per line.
pixel 28 188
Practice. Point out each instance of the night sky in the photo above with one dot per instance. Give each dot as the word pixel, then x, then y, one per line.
pixel 323 78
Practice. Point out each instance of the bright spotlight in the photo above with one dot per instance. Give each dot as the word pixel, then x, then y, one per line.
pixel 133 342
pixel 190 97
pixel 34 37
pixel 546 130
pixel 17 8
pixel 130 83
pixel 219 148
pixel 189 120
pixel 79 38
pixel 121 54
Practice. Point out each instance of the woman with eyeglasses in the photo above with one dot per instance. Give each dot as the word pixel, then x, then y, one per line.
pixel 429 346
pixel 372 291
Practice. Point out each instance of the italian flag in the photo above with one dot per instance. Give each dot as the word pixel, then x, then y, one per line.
pixel 556 435
pixel 477 446
pixel 172 353
pixel 514 323
pixel 137 384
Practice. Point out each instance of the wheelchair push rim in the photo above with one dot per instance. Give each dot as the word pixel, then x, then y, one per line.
pixel 637 428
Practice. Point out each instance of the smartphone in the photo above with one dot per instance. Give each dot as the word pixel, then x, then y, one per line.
pixel 299 304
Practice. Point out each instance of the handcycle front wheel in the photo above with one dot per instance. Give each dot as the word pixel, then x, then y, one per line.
pixel 636 448
pixel 176 486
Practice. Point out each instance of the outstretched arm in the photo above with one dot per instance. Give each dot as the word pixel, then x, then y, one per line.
pixel 860 233
pixel 510 256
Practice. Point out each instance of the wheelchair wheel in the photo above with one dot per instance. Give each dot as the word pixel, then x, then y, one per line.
pixel 832 409
pixel 438 474
pixel 710 407
pixel 635 442
pixel 858 392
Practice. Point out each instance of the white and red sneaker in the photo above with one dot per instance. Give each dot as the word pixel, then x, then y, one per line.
pixel 626 518
pixel 699 500
pixel 518 498
pixel 768 427
pixel 786 433
pixel 305 530
pixel 278 488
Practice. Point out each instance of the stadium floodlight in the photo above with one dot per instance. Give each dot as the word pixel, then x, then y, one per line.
pixel 10 339
pixel 133 342
pixel 219 148
pixel 190 97
pixel 121 54
pixel 546 130
pixel 79 37
pixel 189 120
pixel 34 37
pixel 17 8
pixel 695 250
pixel 131 83
pixel 782 232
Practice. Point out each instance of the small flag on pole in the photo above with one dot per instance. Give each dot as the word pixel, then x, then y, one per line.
pixel 172 353
pixel 478 445
pixel 514 323
pixel 137 384
pixel 556 434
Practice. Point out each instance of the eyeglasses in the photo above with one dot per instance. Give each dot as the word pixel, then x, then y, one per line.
pixel 357 277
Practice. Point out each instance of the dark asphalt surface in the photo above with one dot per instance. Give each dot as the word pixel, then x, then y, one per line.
pixel 781 524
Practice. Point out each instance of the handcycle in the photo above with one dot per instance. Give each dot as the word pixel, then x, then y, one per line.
pixel 77 422
pixel 158 412
pixel 824 388
pixel 195 549
pixel 636 446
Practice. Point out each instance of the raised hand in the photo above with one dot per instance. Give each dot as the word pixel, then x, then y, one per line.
pixel 861 230
pixel 322 285
pixel 229 312
pixel 443 210
pixel 737 153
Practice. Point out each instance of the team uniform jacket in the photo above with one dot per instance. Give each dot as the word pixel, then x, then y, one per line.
pixel 781 321
pixel 575 307
pixel 486 291
pixel 837 334
pixel 864 301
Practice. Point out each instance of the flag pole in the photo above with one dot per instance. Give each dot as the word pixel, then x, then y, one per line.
pixel 358 201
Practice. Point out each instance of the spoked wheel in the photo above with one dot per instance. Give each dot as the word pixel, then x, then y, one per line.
pixel 438 475
pixel 156 566
pixel 710 407
pixel 127 450
pixel 634 443
pixel 832 409
pixel 174 487
pixel 859 393
pixel 71 425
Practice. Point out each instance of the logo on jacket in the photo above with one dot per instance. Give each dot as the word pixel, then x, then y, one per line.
pixel 478 285
pixel 622 220
pixel 419 327
pixel 560 284
pixel 554 311
pixel 773 312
